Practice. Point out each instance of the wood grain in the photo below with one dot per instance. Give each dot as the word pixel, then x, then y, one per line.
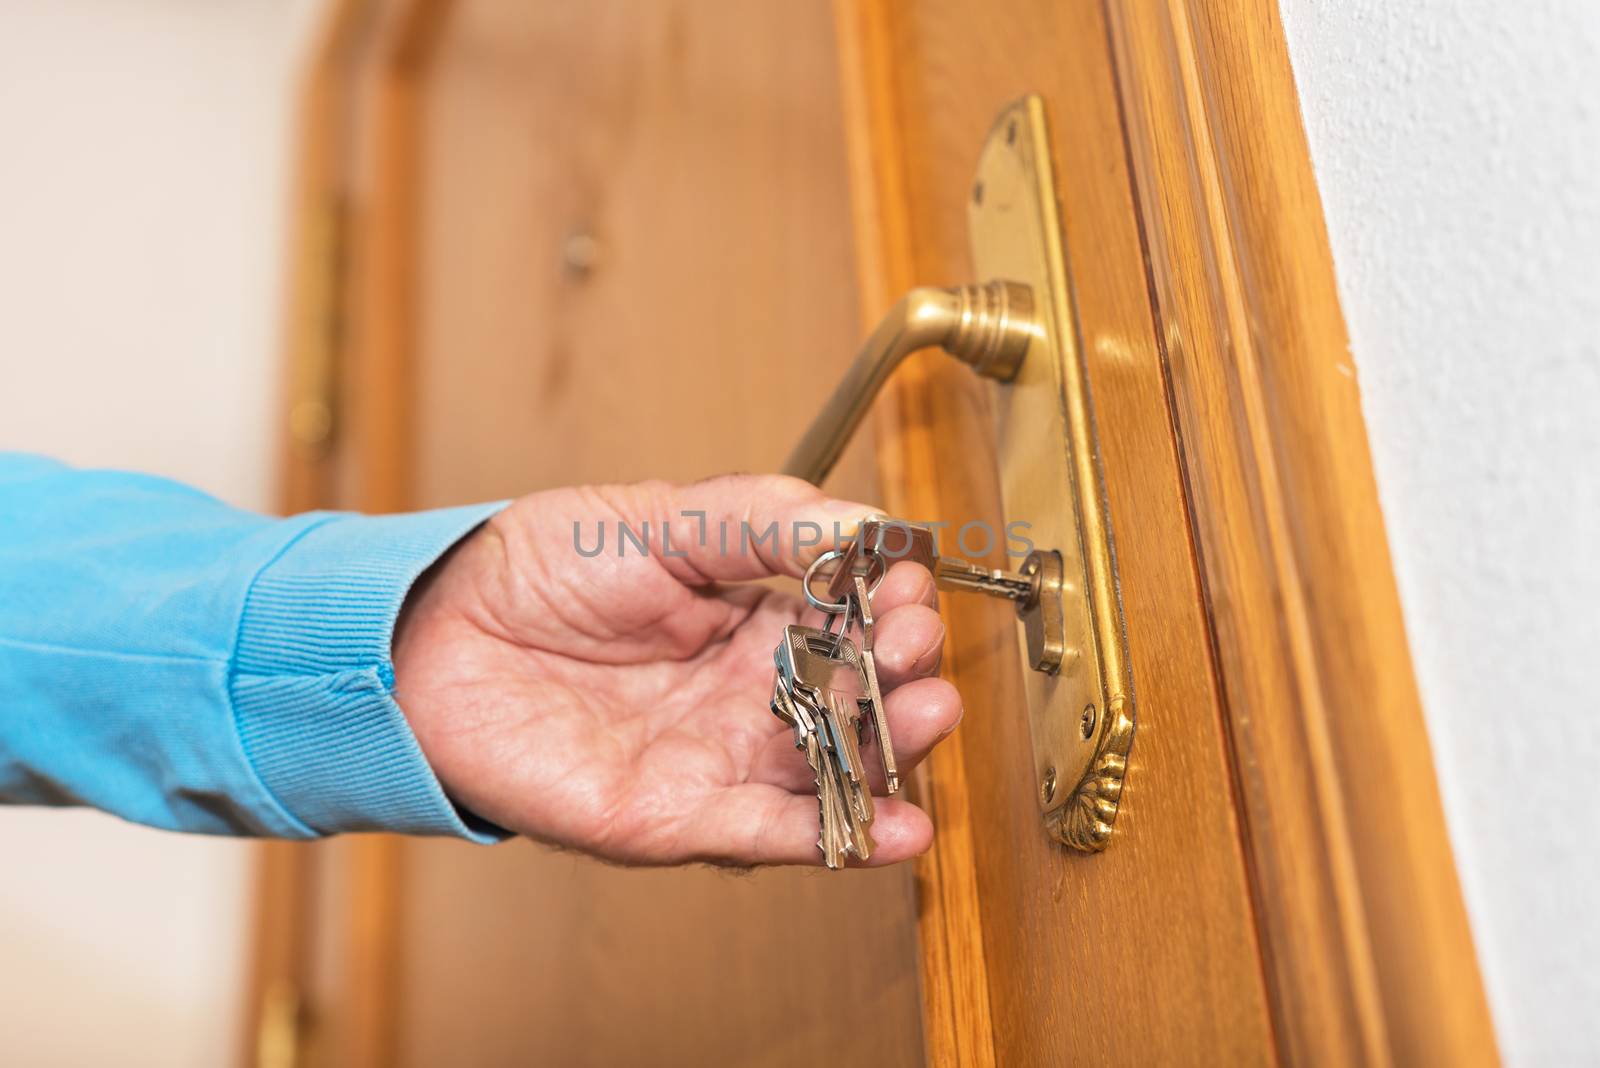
pixel 701 153
pixel 1365 936
pixel 695 151
pixel 957 1025
pixel 705 181
pixel 1146 953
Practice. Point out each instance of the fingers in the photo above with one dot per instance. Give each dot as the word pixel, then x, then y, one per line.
pixel 909 644
pixel 738 527
pixel 921 709
pixel 762 824
pixel 905 583
pixel 921 714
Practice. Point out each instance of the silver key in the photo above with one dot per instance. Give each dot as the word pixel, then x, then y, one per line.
pixel 869 664
pixel 822 688
pixel 849 799
pixel 795 710
pixel 881 542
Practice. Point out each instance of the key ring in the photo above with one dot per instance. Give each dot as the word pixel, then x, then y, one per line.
pixel 844 625
pixel 833 608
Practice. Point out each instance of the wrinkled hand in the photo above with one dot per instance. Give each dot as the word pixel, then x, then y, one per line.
pixel 618 705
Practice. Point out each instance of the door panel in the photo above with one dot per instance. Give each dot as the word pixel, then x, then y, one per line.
pixel 698 146
pixel 635 261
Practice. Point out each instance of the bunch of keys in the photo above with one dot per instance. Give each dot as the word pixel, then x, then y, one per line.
pixel 827 686
pixel 827 690
pixel 820 691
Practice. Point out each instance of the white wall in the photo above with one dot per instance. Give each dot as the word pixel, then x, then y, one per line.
pixel 1457 145
pixel 143 166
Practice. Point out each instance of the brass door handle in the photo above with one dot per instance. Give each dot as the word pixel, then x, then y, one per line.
pixel 1022 331
pixel 989 326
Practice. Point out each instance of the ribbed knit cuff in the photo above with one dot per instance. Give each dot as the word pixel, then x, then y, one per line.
pixel 313 677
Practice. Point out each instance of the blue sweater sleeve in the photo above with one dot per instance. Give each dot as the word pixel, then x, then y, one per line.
pixel 188 665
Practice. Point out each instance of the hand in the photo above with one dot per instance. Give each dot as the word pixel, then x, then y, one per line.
pixel 618 705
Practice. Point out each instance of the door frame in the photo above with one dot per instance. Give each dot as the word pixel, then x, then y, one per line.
pixel 346 441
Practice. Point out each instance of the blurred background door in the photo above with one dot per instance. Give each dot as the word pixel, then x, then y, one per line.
pixel 545 244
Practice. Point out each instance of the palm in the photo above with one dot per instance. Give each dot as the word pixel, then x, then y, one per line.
pixel 619 704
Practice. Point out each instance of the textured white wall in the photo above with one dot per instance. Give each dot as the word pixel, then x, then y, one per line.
pixel 143 177
pixel 1457 146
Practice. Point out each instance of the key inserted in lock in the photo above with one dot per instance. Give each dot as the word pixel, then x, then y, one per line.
pixel 1036 589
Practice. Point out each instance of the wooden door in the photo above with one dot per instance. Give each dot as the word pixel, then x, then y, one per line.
pixel 1279 886
pixel 623 240
pixel 589 243
pixel 635 223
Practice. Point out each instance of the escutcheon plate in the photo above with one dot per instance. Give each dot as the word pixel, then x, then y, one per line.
pixel 1082 716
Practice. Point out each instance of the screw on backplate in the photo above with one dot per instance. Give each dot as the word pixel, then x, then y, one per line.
pixel 1047 788
pixel 1086 722
pixel 1011 132
pixel 977 193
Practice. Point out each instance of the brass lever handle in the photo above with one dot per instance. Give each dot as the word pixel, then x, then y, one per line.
pixel 989 326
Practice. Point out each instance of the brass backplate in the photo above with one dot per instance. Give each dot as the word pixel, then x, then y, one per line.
pixel 1082 715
